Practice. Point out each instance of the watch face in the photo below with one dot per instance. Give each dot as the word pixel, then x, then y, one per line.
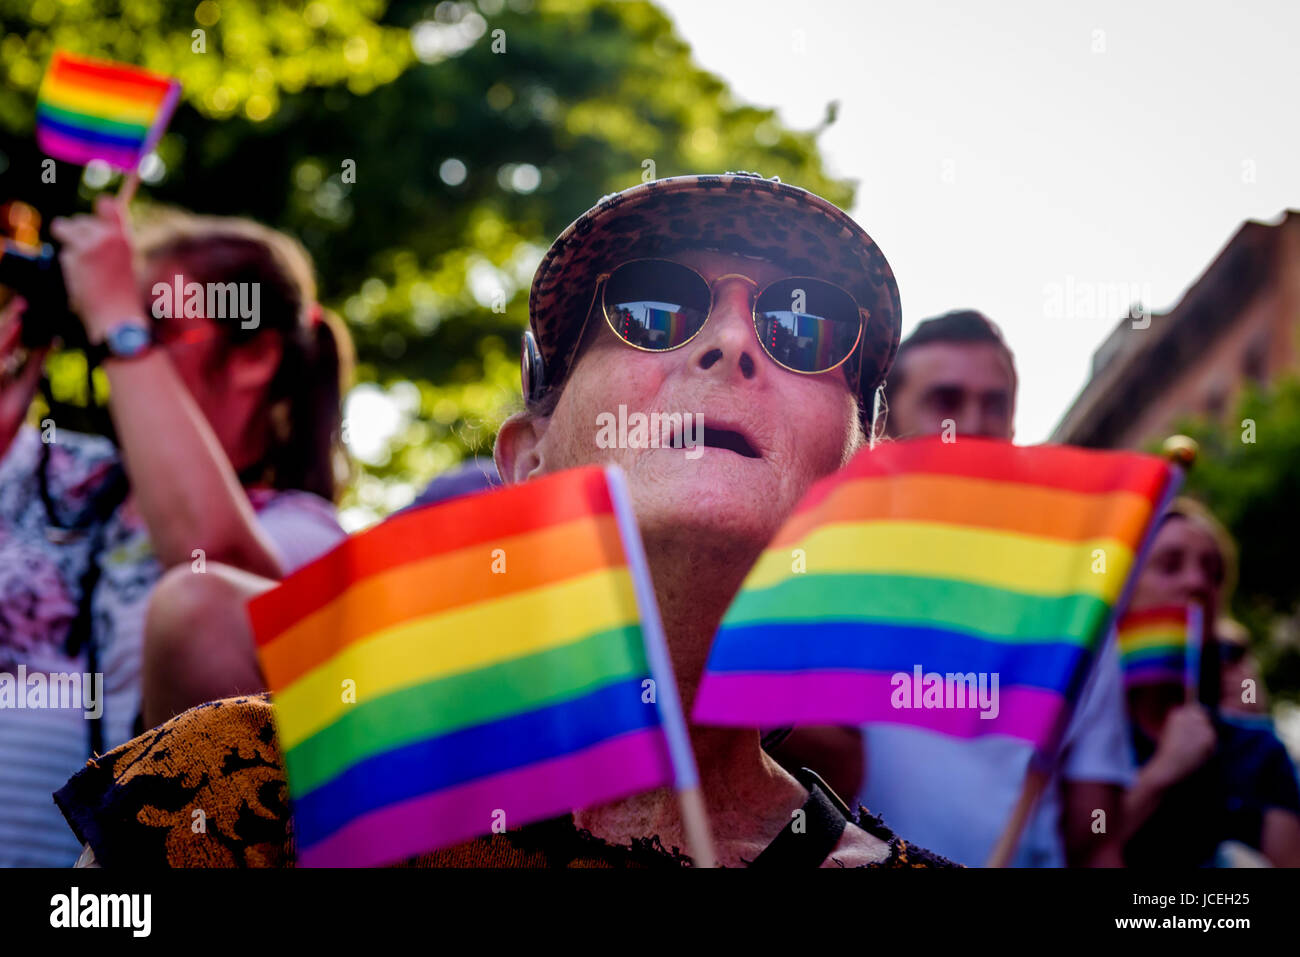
pixel 128 340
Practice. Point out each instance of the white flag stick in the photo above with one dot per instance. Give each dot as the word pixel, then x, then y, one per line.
pixel 699 836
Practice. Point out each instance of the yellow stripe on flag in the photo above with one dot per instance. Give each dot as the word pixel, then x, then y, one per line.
pixel 437 585
pixel 468 638
pixel 1156 636
pixel 102 105
pixel 1011 561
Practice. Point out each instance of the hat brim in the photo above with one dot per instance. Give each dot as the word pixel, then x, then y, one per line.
pixel 736 213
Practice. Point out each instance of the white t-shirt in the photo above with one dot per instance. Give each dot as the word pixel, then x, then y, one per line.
pixel 954 796
pixel 41 570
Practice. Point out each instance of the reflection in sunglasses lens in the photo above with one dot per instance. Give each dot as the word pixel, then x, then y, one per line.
pixel 655 304
pixel 807 324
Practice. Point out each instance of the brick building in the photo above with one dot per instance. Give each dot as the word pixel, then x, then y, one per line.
pixel 1237 323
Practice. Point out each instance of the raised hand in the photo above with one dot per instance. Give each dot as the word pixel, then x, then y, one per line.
pixel 98 266
pixel 1186 741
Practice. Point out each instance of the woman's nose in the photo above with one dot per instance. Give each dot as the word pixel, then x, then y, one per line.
pixel 1197 587
pixel 727 342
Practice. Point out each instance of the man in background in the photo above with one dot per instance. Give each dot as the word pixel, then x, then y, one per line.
pixel 955 377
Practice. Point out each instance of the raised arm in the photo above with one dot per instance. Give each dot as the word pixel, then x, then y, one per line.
pixel 182 482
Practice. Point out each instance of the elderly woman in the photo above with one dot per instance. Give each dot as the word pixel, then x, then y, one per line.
pixel 755 304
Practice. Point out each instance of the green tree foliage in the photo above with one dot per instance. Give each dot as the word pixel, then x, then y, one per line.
pixel 1248 473
pixel 476 132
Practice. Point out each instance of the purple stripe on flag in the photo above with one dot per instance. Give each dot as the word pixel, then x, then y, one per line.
pixel 627 764
pixel 69 149
pixel 861 697
pixel 1154 672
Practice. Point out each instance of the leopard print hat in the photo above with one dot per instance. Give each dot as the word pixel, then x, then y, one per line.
pixel 740 213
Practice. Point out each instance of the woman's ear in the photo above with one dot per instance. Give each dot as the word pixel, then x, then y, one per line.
pixel 517 452
pixel 254 363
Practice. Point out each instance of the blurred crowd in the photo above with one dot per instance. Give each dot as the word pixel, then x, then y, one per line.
pixel 1190 783
pixel 225 457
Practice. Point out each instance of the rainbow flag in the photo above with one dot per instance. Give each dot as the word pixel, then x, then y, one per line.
pixel 668 321
pixel 95 109
pixel 475 664
pixel 1160 645
pixel 820 336
pixel 960 587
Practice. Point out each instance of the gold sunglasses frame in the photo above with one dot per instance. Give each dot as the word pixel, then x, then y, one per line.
pixel 864 315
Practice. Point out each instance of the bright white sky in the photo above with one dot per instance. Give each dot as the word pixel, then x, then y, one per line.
pixel 999 158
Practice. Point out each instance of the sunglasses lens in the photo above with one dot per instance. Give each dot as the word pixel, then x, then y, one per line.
pixel 806 324
pixel 655 304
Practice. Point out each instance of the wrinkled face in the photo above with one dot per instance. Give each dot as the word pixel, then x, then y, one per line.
pixel 970 383
pixel 765 433
pixel 1184 566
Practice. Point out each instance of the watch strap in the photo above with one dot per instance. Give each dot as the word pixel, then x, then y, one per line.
pixel 98 352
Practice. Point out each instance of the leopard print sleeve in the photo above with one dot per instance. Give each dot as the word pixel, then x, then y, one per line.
pixel 205 789
pixel 208 789
pixel 901 853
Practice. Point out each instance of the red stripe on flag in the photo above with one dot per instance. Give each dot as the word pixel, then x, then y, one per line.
pixel 1055 466
pixel 94 74
pixel 1175 615
pixel 425 532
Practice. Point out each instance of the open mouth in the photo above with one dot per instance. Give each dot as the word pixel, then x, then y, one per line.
pixel 731 440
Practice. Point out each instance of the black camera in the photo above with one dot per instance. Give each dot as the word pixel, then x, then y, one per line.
pixel 33 272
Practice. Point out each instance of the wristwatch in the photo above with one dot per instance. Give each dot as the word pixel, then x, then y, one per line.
pixel 128 339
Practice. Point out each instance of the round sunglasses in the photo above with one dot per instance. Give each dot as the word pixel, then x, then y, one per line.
pixel 804 324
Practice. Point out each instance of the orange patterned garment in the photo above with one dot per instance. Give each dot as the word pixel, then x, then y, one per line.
pixel 207 789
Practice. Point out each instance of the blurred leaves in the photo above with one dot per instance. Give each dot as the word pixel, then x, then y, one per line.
pixel 478 132
pixel 1253 487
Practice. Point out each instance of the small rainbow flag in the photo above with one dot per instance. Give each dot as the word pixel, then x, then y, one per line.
pixel 671 322
pixel 819 336
pixel 90 109
pixel 825 339
pixel 1161 645
pixel 468 666
pixel 961 587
